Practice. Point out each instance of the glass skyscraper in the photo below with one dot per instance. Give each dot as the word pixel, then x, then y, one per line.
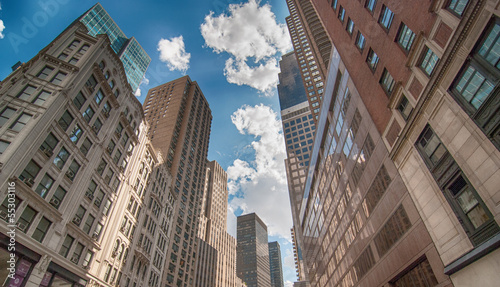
pixel 135 60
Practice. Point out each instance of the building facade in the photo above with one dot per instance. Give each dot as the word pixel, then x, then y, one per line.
pixel 252 253
pixel 426 73
pixel 134 59
pixel 298 130
pixel 180 121
pixel 78 171
pixel 216 257
pixel 275 264
pixel 312 48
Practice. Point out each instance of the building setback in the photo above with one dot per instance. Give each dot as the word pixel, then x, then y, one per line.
pixel 252 253
pixel 74 146
pixel 180 120
pixel 275 264
pixel 216 257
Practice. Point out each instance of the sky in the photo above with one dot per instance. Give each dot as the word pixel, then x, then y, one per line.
pixel 231 49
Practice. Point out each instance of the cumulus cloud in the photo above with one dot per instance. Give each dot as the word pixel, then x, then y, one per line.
pixel 173 53
pixel 138 92
pixel 2 26
pixel 288 283
pixel 260 185
pixel 248 31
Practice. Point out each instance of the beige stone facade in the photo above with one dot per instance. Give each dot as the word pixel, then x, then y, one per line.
pixel 92 198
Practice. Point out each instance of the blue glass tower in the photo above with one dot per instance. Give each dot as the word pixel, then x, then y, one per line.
pixel 291 89
pixel 135 60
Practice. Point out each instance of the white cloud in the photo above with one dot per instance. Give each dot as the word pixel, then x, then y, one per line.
pixel 144 81
pixel 289 261
pixel 2 26
pixel 261 183
pixel 173 53
pixel 288 283
pixel 247 31
pixel 231 222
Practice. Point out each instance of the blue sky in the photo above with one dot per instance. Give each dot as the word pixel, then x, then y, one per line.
pixel 231 52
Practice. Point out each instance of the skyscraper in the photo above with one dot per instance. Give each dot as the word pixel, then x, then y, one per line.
pixel 275 264
pixel 298 130
pixel 252 256
pixel 216 257
pixel 427 75
pixel 312 47
pixel 134 59
pixel 78 172
pixel 180 120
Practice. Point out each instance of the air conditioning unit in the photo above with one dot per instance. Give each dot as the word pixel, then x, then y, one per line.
pixel 109 150
pixel 95 236
pixel 77 220
pixel 118 134
pixel 70 174
pixel 22 226
pixel 89 195
pixel 28 181
pixel 46 151
pixel 97 202
pixel 55 202
pixel 75 259
pixel 106 114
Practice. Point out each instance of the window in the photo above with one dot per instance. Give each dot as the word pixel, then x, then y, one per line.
pixel 387 82
pixel 372 60
pixel 24 222
pixel 74 44
pixel 41 98
pixel 29 173
pixel 73 169
pixel 88 114
pixel 79 100
pixel 101 167
pixel 405 37
pixel 98 97
pixel 431 147
pixel 4 145
pixel 80 213
pixel 334 4
pixel 49 144
pixel 106 109
pixel 404 108
pixel 91 82
pixel 65 120
pixel 6 114
pixel 97 126
pixel 62 56
pixel 20 122
pixel 88 223
pixel 428 62
pixel 73 61
pixel 61 158
pixel 44 185
pixel 66 246
pixel 86 146
pixel 6 205
pixel 76 134
pixel 124 139
pixel 474 87
pixel 360 41
pixel 88 258
pixel 26 93
pixel 467 205
pixel 117 156
pixel 58 78
pixel 370 5
pixel 77 253
pixel 58 197
pixel 84 49
pixel 386 16
pixel 457 7
pixel 45 72
pixel 341 15
pixel 41 229
pixel 111 147
pixel 420 275
pixel 350 26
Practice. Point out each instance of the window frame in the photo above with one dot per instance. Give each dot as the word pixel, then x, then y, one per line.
pixel 382 17
pixel 403 29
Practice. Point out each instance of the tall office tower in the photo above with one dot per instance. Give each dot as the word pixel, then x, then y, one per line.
pixel 298 130
pixel 79 175
pixel 275 264
pixel 134 59
pixel 180 120
pixel 312 48
pixel 428 75
pixel 216 256
pixel 252 256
